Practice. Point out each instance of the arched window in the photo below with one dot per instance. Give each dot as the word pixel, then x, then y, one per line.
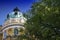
pixel 15 31
pixel 5 35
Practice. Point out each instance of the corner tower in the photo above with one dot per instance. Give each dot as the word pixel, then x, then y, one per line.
pixel 13 24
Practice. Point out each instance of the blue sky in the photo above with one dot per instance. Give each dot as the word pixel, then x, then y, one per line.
pixel 7 6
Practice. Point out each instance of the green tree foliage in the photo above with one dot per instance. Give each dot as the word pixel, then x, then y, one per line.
pixel 45 21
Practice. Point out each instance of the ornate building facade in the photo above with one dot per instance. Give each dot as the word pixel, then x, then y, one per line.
pixel 13 26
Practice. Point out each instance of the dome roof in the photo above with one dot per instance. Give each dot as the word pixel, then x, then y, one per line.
pixel 15 14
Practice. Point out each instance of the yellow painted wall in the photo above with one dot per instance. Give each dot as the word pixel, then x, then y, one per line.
pixel 10 31
pixel 1 36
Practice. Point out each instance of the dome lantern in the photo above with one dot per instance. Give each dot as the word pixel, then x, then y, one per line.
pixel 16 9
